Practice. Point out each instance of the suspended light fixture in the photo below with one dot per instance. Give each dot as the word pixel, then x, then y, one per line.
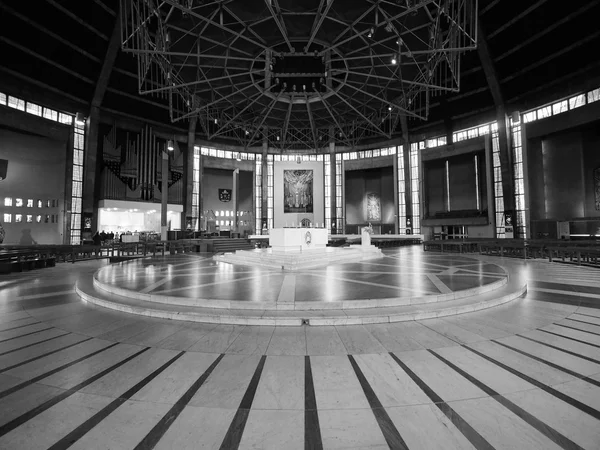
pixel 394 59
pixel 170 145
pixel 79 119
pixel 371 32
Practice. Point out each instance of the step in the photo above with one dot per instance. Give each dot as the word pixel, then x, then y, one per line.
pixel 512 290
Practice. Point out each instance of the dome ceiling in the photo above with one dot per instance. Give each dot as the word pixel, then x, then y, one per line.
pixel 298 72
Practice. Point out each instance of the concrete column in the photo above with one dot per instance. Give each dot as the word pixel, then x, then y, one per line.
pixel 91 168
pixel 234 199
pixel 489 175
pixel 164 196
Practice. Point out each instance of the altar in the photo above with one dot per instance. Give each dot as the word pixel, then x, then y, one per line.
pixel 297 239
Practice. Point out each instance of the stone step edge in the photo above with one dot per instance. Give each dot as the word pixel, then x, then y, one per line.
pixel 265 320
pixel 300 306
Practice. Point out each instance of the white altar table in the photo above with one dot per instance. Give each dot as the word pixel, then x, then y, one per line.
pixel 297 239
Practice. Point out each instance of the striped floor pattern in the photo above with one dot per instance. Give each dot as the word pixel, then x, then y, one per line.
pixel 525 375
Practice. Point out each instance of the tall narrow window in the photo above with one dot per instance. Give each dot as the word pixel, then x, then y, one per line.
pixel 414 185
pixel 196 213
pixel 270 189
pixel 401 192
pixel 498 190
pixel 477 196
pixel 77 188
pixel 327 167
pixel 447 185
pixel 517 148
pixel 339 213
pixel 258 192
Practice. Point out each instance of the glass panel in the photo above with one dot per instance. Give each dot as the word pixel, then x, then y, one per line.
pixel 560 107
pixel 34 109
pixel 16 103
pixel 576 102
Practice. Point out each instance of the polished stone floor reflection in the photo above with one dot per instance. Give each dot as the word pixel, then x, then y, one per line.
pixel 400 273
pixel 525 375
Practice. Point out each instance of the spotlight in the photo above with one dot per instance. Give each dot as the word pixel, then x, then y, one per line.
pixel 371 32
pixel 79 119
pixel 247 132
pixel 389 108
pixel 304 87
pixel 170 145
pixel 394 60
pixel 277 137
pixel 216 121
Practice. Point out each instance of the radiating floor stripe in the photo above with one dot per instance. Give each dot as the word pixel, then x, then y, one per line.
pixel 27 361
pixel 312 430
pixel 23 335
pixel 31 345
pixel 20 326
pixel 536 423
pixel 158 431
pixel 570 338
pixel 18 421
pixel 85 427
pixel 551 364
pixel 472 435
pixel 576 329
pixel 587 358
pixel 566 318
pixel 153 286
pixel 565 398
pixel 236 429
pixel 388 429
pixel 439 284
pixel 47 294
pixel 53 371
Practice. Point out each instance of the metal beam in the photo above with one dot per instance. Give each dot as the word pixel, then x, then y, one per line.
pixel 109 62
pixel 279 24
pixel 317 25
pixel 361 114
pixel 312 125
pixel 264 116
pixel 504 148
pixel 258 96
pixel 286 123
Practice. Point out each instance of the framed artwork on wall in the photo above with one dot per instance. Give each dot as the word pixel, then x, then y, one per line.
pixel 373 207
pixel 297 191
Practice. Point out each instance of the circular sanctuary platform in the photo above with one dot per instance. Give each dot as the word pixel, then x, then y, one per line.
pixel 404 284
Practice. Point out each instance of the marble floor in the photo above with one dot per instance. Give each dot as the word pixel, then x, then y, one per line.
pixel 400 273
pixel 524 375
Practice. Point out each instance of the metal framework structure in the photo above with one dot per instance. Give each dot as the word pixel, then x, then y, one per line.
pixel 298 73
